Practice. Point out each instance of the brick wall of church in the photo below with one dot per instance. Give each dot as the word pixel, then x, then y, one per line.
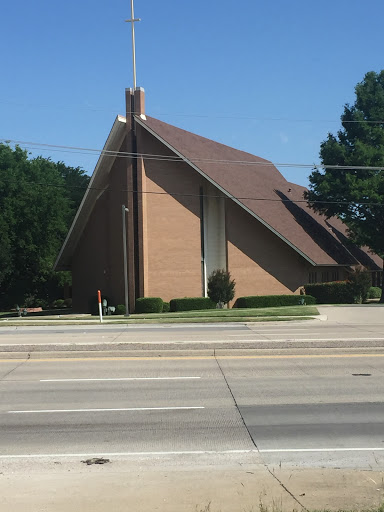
pixel 258 260
pixel 172 243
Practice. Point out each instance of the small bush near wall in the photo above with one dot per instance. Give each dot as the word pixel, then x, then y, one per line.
pixel 120 309
pixel 360 282
pixel 337 292
pixel 165 307
pixel 221 288
pixel 191 303
pixel 149 305
pixel 374 292
pixel 270 301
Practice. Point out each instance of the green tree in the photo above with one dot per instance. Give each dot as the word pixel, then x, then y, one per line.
pixel 356 196
pixel 221 288
pixel 36 211
pixel 76 181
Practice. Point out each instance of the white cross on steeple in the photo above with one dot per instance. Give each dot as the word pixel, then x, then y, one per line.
pixel 132 21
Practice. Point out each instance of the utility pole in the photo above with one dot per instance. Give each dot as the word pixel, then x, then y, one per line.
pixel 124 211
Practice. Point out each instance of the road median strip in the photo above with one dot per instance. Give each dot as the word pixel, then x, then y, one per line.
pixel 185 347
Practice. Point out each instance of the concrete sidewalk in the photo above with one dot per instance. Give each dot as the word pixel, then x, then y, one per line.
pixel 149 485
pixel 354 314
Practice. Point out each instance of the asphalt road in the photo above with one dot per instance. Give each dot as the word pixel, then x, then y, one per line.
pixel 297 410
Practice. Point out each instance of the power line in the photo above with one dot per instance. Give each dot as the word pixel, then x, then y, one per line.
pixel 223 115
pixel 183 194
pixel 170 158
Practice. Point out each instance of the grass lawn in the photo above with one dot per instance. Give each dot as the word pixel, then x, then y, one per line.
pixel 204 316
pixel 234 313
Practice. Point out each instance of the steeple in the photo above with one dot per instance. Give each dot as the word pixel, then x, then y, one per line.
pixel 133 21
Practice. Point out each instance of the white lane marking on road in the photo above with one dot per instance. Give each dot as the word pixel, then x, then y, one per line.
pixel 195 452
pixel 105 410
pixel 285 333
pixel 125 454
pixel 270 330
pixel 119 379
pixel 320 450
pixel 350 338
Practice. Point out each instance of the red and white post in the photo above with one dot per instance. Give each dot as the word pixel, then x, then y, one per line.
pixel 100 308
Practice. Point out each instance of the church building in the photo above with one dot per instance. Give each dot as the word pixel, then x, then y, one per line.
pixel 184 205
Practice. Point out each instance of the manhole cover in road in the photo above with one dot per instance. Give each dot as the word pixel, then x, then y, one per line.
pixel 96 460
pixel 361 374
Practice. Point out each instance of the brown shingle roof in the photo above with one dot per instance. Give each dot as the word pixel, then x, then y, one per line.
pixel 266 194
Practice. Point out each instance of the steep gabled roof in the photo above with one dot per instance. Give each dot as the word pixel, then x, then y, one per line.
pixel 260 188
pixel 252 182
pixel 95 188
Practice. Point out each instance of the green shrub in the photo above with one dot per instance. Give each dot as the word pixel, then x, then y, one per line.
pixel 165 307
pixel 221 288
pixel 120 309
pixel 29 301
pixel 191 303
pixel 360 282
pixel 68 303
pixel 58 304
pixel 336 292
pixel 149 305
pixel 271 301
pixel 41 303
pixel 374 292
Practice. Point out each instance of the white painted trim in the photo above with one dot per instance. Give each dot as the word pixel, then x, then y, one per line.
pixel 237 201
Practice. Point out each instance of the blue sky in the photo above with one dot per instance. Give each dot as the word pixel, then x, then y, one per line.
pixel 270 78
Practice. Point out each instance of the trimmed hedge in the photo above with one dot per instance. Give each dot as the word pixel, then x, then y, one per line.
pixel 165 307
pixel 149 305
pixel 374 292
pixel 337 292
pixel 191 303
pixel 271 301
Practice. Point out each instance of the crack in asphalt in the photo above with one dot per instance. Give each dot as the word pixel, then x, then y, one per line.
pixel 282 485
pixel 15 368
